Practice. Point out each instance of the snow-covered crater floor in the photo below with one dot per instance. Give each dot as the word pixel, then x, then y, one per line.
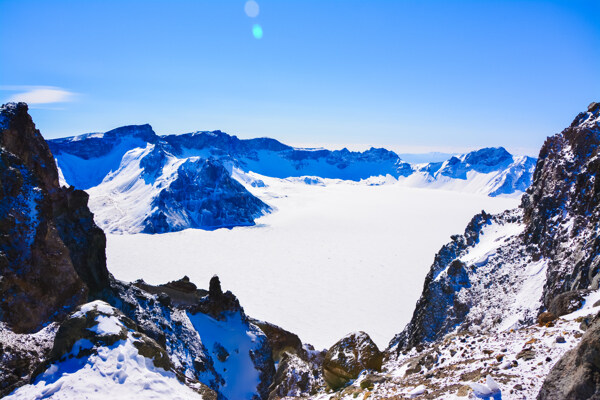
pixel 332 258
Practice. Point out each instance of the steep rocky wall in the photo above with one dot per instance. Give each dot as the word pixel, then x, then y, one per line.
pixel 51 252
pixel 562 206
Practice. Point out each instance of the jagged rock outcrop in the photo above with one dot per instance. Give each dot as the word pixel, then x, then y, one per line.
pixel 576 376
pixel 297 376
pixel 562 207
pixel 348 357
pixel 205 332
pixel 541 255
pixel 51 252
pixel 440 308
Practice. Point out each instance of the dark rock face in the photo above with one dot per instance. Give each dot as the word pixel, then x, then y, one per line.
pixel 566 303
pixel 562 207
pixel 217 306
pixel 181 293
pixel 348 357
pixel 51 252
pixel 299 369
pixel 576 376
pixel 205 196
pixel 439 309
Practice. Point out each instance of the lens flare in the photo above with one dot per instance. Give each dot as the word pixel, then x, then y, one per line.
pixel 257 31
pixel 251 8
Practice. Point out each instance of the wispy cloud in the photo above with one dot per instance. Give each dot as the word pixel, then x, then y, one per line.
pixel 40 94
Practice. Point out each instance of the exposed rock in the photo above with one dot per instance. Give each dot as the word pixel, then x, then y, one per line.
pixel 281 341
pixel 566 303
pixel 295 376
pixel 577 374
pixel 562 206
pixel 348 357
pixel 440 309
pixel 51 252
pixel 181 293
pixel 96 327
pixel 526 354
pixel 168 325
pixel 203 195
pixel 546 317
pixel 217 303
pixel 221 352
pixel 426 361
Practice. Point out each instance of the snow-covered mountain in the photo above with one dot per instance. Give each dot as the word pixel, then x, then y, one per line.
pixel 509 310
pixel 141 182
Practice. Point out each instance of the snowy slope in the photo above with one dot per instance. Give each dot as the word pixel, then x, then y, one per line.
pixel 141 182
pixel 106 362
pixel 507 365
pixel 152 191
pixel 233 341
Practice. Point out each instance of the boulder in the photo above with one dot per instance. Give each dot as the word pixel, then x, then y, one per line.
pixel 566 303
pixel 545 317
pixel 348 357
pixel 577 374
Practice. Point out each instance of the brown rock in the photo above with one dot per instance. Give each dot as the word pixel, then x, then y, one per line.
pixel 348 357
pixel 545 318
pixel 52 253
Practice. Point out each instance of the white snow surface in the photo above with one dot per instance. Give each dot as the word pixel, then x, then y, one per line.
pixel 332 258
pixel 233 334
pixel 114 372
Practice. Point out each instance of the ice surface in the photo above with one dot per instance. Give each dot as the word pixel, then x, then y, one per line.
pixel 331 260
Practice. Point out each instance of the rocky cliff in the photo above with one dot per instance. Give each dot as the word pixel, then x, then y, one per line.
pixel 52 253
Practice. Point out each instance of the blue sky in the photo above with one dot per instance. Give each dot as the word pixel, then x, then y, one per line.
pixel 408 75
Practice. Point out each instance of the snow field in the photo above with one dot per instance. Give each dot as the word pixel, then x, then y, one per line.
pixel 331 259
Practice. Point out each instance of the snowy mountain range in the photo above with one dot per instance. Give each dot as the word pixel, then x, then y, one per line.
pixel 139 181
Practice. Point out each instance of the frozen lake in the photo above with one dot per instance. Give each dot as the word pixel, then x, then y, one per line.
pixel 330 260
